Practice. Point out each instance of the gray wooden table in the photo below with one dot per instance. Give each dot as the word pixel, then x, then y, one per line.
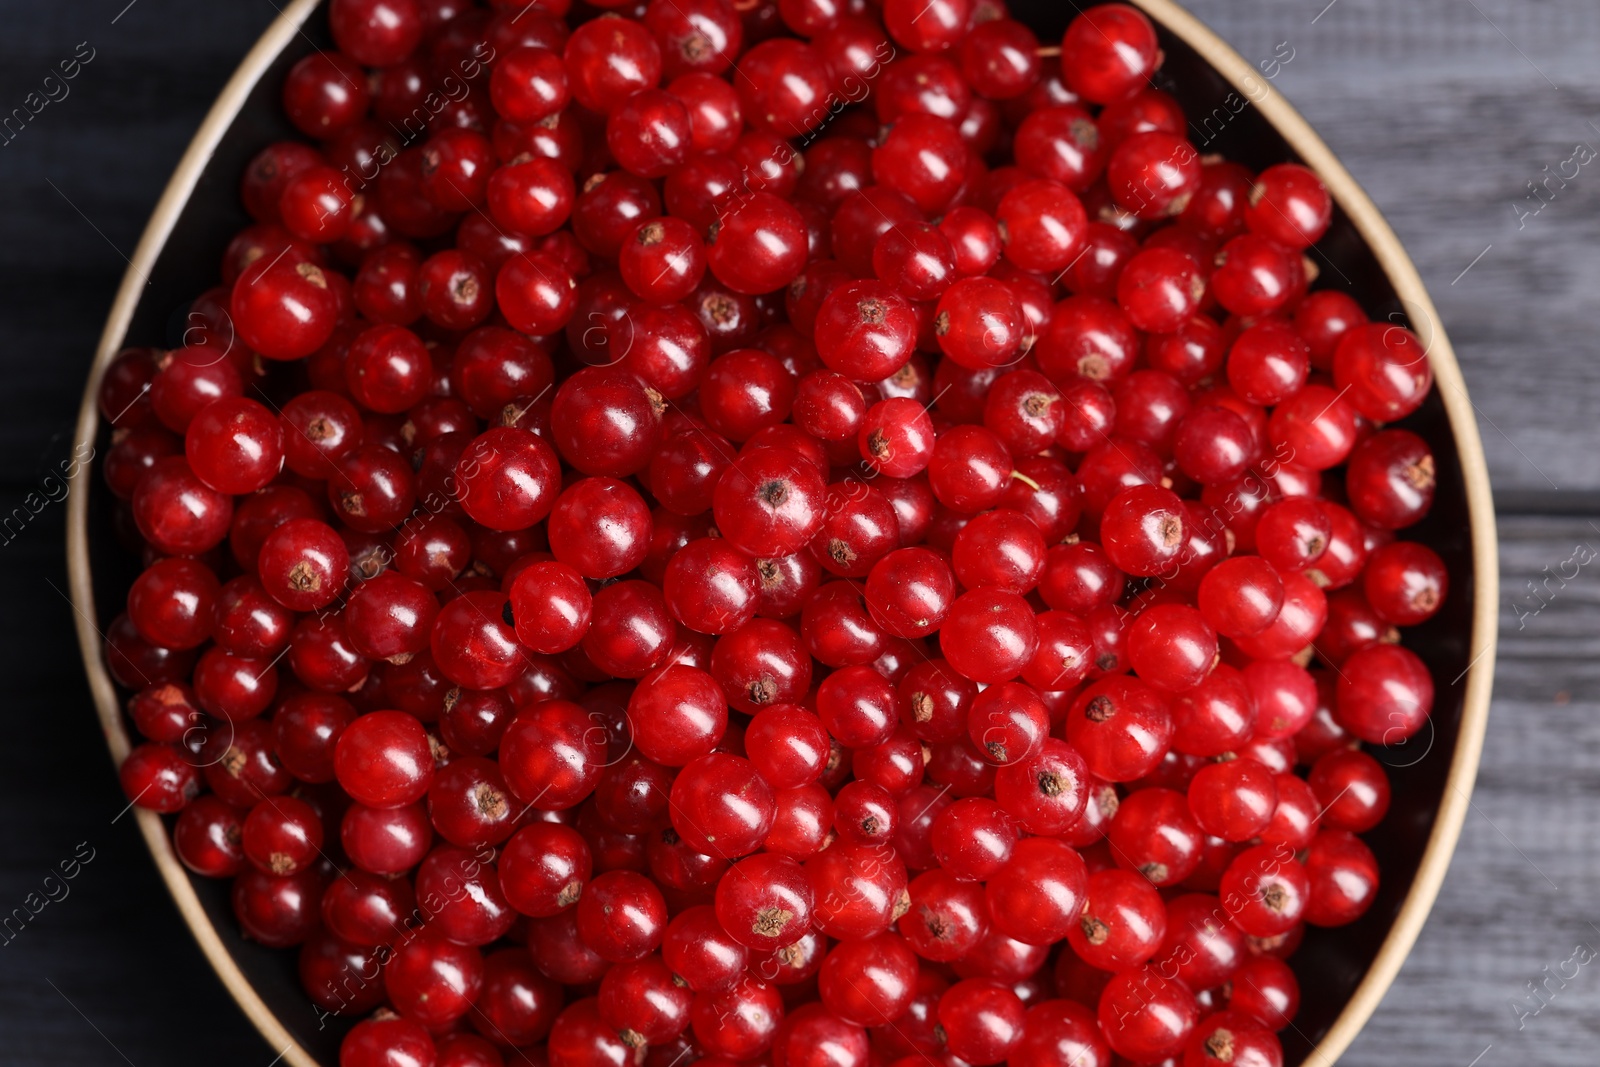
pixel 1444 109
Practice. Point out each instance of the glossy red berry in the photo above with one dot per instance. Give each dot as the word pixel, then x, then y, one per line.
pixel 1108 53
pixel 383 760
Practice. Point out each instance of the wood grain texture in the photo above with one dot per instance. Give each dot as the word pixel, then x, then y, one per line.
pixel 1442 116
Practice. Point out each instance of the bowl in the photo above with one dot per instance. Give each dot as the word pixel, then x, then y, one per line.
pixel 1233 107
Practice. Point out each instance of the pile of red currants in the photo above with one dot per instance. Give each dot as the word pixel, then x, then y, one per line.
pixel 803 533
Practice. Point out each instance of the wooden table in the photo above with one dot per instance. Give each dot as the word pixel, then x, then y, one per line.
pixel 1444 109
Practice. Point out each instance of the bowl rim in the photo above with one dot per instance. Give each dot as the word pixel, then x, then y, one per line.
pixel 1369 223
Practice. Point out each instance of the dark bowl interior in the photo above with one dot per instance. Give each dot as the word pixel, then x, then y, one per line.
pixel 1330 963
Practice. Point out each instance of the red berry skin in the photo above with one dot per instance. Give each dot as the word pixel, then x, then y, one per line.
pixel 740 1023
pixel 552 755
pixel 1241 596
pixel 1352 790
pixel 800 827
pixel 383 760
pixel 390 617
pixel 507 478
pixel 1123 924
pixel 1154 174
pixel 1254 276
pixel 721 806
pixel 605 421
pixel 711 587
pixel 1233 800
pixel 1043 225
pixel 600 527
pixel 621 916
pixel 282 835
pixel 284 307
pixel 1266 989
pixel 543 869
pixel 1008 723
pixel 172 602
pixel 461 897
pixel 1109 53
pixel 769 503
pixel 1268 363
pixel 178 513
pixel 641 1000
pixel 304 565
pixel 1146 1016
pixel 897 437
pixel 1231 1037
pixel 376 33
pixel 1390 479
pixel 208 837
pixel 764 902
pixel 855 890
pixel 1386 370
pixel 1265 890
pixel 1160 288
pixel 869 982
pixel 649 133
pixel 909 592
pixel 780 83
pixel 989 636
pixel 1344 878
pixel 699 951
pixel 979 323
pixel 474 644
pixel 234 445
pixel 1061 143
pixel 529 84
pixel 970 469
pixel 385 841
pixel 1142 530
pixel 1059 1031
pixel 551 607
pixel 1290 205
pixel 788 745
pixel 1047 793
pixel 1171 647
pixel 608 60
pixel 433 981
pixel 1385 694
pixel 973 838
pixel 758 246
pixel 1122 726
pixel 865 330
pixel 1039 893
pixel 536 293
pixel 982 1020
pixel 1317 424
pixel 677 714
pixel 923 157
pixel 386 1043
pixel 1405 583
pixel 388 369
pixel 158 778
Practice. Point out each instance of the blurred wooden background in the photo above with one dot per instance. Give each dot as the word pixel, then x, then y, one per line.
pixel 1444 109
